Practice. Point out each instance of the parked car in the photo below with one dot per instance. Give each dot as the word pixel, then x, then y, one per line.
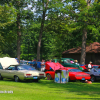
pixel 85 67
pixel 74 73
pixel 94 73
pixel 21 72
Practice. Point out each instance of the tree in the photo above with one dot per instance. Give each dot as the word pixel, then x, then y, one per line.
pixel 82 19
pixel 19 6
pixel 7 19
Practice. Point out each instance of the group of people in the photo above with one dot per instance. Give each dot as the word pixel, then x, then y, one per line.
pixel 39 65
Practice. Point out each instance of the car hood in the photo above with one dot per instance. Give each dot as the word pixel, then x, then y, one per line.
pixel 55 66
pixel 6 62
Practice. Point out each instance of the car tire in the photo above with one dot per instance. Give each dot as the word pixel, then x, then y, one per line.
pixel 69 79
pixel 1 78
pixel 49 77
pixel 93 78
pixel 16 79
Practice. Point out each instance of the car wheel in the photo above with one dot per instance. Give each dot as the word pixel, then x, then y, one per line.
pixel 93 78
pixel 49 77
pixel 1 78
pixel 16 79
pixel 69 79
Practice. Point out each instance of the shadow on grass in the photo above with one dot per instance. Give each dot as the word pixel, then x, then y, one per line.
pixel 12 80
pixel 79 88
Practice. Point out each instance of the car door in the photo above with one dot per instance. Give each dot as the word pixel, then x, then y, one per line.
pixel 6 72
pixel 12 72
pixel 9 73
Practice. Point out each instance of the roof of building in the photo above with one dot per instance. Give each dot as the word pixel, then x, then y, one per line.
pixel 92 48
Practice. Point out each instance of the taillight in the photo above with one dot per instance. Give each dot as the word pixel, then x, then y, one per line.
pixel 41 74
pixel 28 74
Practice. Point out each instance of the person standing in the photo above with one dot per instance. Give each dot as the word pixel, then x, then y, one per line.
pixel 42 65
pixel 34 63
pixel 39 65
pixel 89 66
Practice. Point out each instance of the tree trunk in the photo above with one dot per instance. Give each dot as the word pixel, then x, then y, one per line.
pixel 40 37
pixel 41 30
pixel 83 51
pixel 18 36
pixel 84 37
pixel 88 2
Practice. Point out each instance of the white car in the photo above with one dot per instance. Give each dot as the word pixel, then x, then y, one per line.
pixel 21 72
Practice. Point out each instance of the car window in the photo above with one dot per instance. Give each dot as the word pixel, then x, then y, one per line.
pixel 11 67
pixel 25 67
pixel 67 61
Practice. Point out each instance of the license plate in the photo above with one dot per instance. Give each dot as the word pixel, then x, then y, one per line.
pixel 34 77
pixel 83 78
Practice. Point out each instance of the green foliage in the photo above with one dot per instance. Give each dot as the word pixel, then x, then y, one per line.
pixel 7 19
pixel 3 55
pixel 64 22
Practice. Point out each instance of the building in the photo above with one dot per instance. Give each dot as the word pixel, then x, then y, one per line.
pixel 92 53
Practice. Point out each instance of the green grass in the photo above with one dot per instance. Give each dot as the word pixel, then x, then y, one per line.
pixel 48 90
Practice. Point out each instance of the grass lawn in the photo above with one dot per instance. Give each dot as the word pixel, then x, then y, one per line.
pixel 48 90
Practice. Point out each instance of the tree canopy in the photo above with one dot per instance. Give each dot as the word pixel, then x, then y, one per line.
pixel 57 25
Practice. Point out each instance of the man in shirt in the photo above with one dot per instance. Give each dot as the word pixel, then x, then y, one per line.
pixel 89 66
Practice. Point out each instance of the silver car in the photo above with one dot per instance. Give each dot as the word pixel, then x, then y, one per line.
pixel 95 74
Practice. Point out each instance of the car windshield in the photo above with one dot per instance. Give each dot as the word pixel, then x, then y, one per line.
pixel 97 70
pixel 25 67
pixel 74 70
pixel 67 61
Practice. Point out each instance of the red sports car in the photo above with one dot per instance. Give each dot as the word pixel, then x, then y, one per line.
pixel 74 73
